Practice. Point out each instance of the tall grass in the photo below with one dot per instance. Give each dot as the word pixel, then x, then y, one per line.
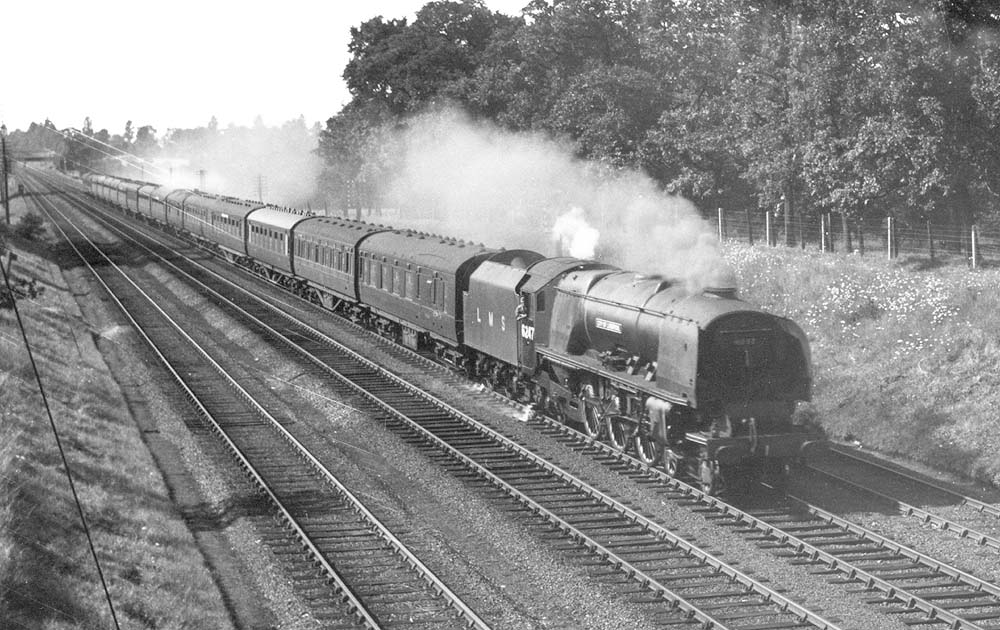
pixel 906 358
pixel 9 438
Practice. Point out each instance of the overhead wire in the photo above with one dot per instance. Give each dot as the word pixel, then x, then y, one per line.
pixel 94 143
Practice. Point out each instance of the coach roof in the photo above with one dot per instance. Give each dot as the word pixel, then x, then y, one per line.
pixel 426 250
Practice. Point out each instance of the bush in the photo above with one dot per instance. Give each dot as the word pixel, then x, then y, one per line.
pixel 30 227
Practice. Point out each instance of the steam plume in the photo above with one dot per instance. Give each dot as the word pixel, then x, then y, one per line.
pixel 574 236
pixel 474 181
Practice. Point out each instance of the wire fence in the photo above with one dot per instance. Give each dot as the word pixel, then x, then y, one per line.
pixel 890 238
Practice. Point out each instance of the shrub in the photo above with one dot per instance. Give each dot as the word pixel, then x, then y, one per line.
pixel 30 227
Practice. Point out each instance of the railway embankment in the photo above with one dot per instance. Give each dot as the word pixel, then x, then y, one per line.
pixel 153 563
pixel 906 354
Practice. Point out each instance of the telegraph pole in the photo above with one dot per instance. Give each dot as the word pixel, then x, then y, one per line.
pixel 261 185
pixel 3 159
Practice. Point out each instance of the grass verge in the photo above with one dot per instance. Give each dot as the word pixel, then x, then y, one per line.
pixel 905 354
pixel 155 572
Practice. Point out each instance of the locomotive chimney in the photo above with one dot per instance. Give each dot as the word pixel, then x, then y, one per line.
pixel 722 282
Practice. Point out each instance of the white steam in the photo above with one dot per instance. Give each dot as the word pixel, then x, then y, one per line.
pixel 525 190
pixel 574 236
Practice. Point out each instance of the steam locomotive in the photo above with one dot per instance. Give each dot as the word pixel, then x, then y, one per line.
pixel 704 385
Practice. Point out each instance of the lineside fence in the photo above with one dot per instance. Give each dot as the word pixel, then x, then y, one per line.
pixel 889 237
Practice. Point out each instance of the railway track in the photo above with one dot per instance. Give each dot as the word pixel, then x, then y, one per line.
pixel 917 587
pixel 855 459
pixel 919 590
pixel 904 490
pixel 683 583
pixel 361 574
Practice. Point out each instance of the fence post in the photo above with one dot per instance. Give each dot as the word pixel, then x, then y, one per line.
pixel 823 245
pixel 768 229
pixel 890 238
pixel 722 226
pixel 846 231
pixel 974 236
pixel 788 220
pixel 861 237
pixel 749 227
pixel 930 239
pixel 826 225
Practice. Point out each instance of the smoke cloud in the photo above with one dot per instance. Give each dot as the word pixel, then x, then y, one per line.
pixel 274 164
pixel 526 190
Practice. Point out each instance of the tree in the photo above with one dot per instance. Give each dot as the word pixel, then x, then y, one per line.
pixel 355 147
pixel 405 66
pixel 145 141
pixel 128 136
pixel 609 111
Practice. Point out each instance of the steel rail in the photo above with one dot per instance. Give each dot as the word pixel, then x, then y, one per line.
pixel 907 509
pixel 471 618
pixel 802 548
pixel 654 528
pixel 657 530
pixel 976 504
pixel 354 604
pixel 805 549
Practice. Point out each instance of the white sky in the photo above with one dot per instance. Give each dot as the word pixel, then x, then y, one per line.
pixel 177 63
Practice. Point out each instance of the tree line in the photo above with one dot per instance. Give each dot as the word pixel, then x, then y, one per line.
pixel 867 108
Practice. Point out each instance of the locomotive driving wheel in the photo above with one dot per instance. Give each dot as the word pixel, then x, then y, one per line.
pixel 671 462
pixel 647 449
pixel 621 431
pixel 592 412
pixel 592 420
